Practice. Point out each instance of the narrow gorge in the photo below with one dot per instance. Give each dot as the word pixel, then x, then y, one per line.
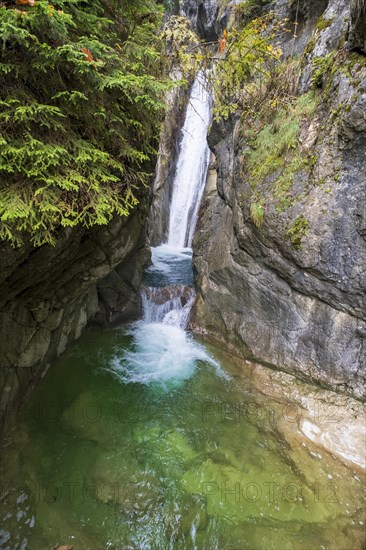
pixel 190 373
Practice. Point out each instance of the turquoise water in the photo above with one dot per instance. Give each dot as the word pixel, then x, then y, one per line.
pixel 98 460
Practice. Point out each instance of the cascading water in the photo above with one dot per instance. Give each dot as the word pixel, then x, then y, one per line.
pixel 169 305
pixel 192 166
pixel 163 351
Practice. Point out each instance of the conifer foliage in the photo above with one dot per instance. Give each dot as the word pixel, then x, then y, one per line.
pixel 81 100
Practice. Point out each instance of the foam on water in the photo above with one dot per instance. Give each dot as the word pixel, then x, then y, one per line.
pixel 170 305
pixel 162 353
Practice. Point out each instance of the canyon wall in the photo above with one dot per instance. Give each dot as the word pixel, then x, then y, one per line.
pixel 204 16
pixel 288 289
pixel 48 295
pixel 170 138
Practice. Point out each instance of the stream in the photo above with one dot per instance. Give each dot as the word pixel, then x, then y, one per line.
pixel 143 437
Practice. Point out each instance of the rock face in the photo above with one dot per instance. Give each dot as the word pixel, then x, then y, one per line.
pixel 48 295
pixel 203 15
pixel 170 140
pixel 291 293
pixel 358 18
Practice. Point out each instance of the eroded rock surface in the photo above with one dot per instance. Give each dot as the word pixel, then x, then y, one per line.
pixel 170 140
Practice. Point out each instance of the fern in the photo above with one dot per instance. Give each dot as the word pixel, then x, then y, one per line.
pixel 257 214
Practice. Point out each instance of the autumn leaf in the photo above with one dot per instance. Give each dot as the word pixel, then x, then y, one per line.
pixel 222 41
pixel 88 55
pixel 26 2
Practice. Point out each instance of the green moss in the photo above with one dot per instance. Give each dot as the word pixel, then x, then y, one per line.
pixel 282 191
pixel 324 69
pixel 297 230
pixel 324 72
pixel 354 61
pixel 277 138
pixel 336 112
pixel 248 10
pixel 323 24
pixel 310 46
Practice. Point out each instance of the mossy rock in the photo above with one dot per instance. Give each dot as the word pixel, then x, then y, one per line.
pixel 323 23
pixel 297 230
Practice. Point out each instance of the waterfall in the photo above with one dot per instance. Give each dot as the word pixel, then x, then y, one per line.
pixel 163 352
pixel 192 167
pixel 172 261
pixel 169 305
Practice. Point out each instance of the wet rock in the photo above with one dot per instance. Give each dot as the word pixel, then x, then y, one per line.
pixel 334 423
pixel 170 292
pixel 170 139
pixel 192 515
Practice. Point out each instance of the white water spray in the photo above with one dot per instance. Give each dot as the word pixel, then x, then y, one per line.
pixel 169 305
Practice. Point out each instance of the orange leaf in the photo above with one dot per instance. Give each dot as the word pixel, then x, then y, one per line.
pixel 26 2
pixel 88 54
pixel 222 44
pixel 89 57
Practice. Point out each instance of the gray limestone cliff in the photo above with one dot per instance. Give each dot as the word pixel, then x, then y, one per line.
pixel 289 289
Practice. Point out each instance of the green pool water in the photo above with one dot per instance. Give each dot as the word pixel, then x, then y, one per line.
pixel 99 463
